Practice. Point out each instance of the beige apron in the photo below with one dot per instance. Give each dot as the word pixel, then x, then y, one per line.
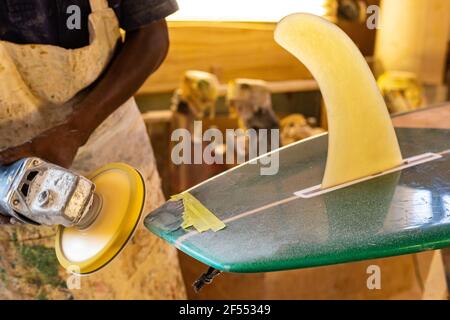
pixel 39 86
pixel 39 82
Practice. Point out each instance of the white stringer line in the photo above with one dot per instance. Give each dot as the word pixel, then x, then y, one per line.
pixel 239 216
pixel 409 162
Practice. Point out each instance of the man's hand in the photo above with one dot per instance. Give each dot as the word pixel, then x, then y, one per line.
pixel 58 145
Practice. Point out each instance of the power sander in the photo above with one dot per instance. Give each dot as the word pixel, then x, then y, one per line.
pixel 96 216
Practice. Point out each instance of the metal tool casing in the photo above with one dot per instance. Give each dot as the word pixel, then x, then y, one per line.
pixel 36 192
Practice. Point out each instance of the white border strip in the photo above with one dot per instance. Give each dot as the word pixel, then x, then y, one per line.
pixel 407 163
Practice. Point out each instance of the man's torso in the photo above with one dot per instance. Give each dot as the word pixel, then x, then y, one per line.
pixel 64 23
pixel 46 21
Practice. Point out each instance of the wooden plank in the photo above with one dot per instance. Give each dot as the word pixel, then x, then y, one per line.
pixel 413 37
pixel 228 50
pixel 287 86
pixel 430 274
pixel 432 117
pixel 283 86
pixel 159 116
pixel 237 50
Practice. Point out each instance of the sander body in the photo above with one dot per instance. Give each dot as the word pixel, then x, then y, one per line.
pixel 95 215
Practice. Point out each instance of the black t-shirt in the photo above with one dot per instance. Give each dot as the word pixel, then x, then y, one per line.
pixel 46 21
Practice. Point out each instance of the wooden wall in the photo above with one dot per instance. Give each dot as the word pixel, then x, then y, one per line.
pixel 413 37
pixel 232 50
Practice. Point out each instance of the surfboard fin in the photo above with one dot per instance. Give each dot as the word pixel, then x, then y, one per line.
pixel 362 140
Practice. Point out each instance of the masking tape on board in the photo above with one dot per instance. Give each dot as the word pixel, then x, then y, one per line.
pixel 197 215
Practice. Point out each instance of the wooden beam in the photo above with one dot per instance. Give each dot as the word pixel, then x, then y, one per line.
pixel 413 37
pixel 229 50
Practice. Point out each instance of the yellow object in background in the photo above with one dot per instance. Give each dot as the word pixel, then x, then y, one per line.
pixel 362 140
pixel 250 100
pixel 413 36
pixel 401 90
pixel 199 91
pixel 295 128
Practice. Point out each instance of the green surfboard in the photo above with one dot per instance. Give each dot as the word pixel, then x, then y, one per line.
pixel 271 227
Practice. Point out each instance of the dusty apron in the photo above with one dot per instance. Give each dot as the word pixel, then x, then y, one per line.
pixel 39 84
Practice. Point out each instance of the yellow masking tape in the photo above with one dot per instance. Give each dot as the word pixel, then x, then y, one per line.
pixel 197 215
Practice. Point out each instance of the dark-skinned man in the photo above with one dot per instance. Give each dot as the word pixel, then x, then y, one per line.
pixel 66 86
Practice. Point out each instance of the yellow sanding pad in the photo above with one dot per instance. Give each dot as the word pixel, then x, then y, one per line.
pixel 121 191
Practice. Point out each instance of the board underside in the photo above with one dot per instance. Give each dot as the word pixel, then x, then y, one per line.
pixel 398 213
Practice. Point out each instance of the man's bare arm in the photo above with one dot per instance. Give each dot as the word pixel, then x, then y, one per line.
pixel 141 54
